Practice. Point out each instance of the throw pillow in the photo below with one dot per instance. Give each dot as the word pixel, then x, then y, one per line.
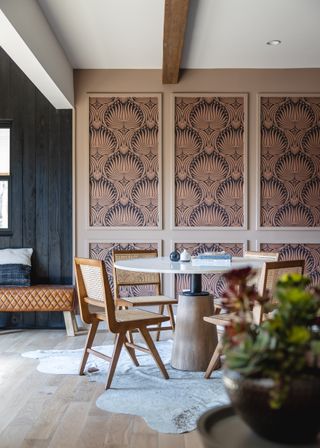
pixel 15 267
pixel 15 275
pixel 16 256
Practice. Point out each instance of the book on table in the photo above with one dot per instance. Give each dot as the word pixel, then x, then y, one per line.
pixel 212 259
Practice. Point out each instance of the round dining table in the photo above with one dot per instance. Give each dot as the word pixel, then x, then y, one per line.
pixel 194 339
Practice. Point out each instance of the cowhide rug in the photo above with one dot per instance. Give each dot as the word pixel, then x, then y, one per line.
pixel 169 406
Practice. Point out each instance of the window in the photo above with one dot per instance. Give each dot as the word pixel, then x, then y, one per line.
pixel 5 134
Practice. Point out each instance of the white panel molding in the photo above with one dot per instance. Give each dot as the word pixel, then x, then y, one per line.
pixel 87 163
pixel 245 162
pixel 258 162
pixel 120 240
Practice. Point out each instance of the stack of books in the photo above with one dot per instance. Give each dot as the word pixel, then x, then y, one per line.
pixel 212 259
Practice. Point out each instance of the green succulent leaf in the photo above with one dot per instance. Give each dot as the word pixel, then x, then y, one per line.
pixel 298 335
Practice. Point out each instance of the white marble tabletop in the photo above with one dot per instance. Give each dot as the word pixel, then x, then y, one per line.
pixel 165 266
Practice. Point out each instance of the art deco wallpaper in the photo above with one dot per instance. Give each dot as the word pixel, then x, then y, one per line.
pixel 212 283
pixel 209 161
pixel 124 148
pixel 224 155
pixel 103 251
pixel 308 252
pixel 290 161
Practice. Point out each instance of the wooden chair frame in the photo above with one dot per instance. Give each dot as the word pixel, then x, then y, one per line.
pixel 118 322
pixel 257 312
pixel 153 279
pixel 260 254
pixel 275 266
pixel 274 256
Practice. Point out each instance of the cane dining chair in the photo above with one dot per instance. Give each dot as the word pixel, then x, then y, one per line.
pixel 264 256
pixel 270 273
pixel 267 256
pixel 147 284
pixel 97 305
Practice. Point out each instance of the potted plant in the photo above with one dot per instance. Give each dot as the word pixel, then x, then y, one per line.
pixel 272 370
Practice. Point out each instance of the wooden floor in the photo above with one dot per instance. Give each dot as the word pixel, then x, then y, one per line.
pixel 39 410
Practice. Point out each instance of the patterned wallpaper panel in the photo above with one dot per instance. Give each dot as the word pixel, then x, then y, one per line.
pixel 309 252
pixel 103 251
pixel 124 161
pixel 290 161
pixel 212 283
pixel 209 161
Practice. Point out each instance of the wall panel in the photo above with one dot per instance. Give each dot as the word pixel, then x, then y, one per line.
pixel 210 156
pixel 41 166
pixel 193 84
pixel 308 252
pixel 290 161
pixel 103 251
pixel 125 161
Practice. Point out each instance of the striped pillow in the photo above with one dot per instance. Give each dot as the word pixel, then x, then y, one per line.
pixel 15 266
pixel 15 274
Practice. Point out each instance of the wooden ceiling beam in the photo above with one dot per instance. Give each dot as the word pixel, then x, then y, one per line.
pixel 175 21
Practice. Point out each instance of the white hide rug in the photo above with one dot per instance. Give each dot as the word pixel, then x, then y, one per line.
pixel 168 406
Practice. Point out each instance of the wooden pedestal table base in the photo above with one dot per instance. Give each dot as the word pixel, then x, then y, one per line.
pixel 194 339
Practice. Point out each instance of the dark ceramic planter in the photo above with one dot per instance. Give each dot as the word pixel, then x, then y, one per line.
pixel 296 422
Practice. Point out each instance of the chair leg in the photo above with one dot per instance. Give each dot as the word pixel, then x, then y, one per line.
pixel 170 312
pixel 217 309
pixel 131 352
pixel 89 342
pixel 161 309
pixel 130 336
pixel 115 357
pixel 214 361
pixel 154 352
pixel 129 333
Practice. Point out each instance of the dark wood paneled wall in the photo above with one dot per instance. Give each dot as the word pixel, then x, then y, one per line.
pixel 41 167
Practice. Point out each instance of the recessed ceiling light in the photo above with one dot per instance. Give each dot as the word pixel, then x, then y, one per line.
pixel 274 42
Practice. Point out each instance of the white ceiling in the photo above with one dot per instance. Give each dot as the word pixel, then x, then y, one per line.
pixel 220 33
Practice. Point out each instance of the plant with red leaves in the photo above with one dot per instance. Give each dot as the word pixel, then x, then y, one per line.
pixel 283 346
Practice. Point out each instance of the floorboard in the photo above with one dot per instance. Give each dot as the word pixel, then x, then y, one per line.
pixel 59 411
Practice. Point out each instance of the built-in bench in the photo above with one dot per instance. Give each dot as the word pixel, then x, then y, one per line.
pixel 40 298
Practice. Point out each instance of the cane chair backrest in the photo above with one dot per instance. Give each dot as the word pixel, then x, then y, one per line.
pixel 123 278
pixel 271 272
pixel 93 289
pixel 93 283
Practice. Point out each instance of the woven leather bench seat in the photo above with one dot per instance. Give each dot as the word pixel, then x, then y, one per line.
pixel 36 298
